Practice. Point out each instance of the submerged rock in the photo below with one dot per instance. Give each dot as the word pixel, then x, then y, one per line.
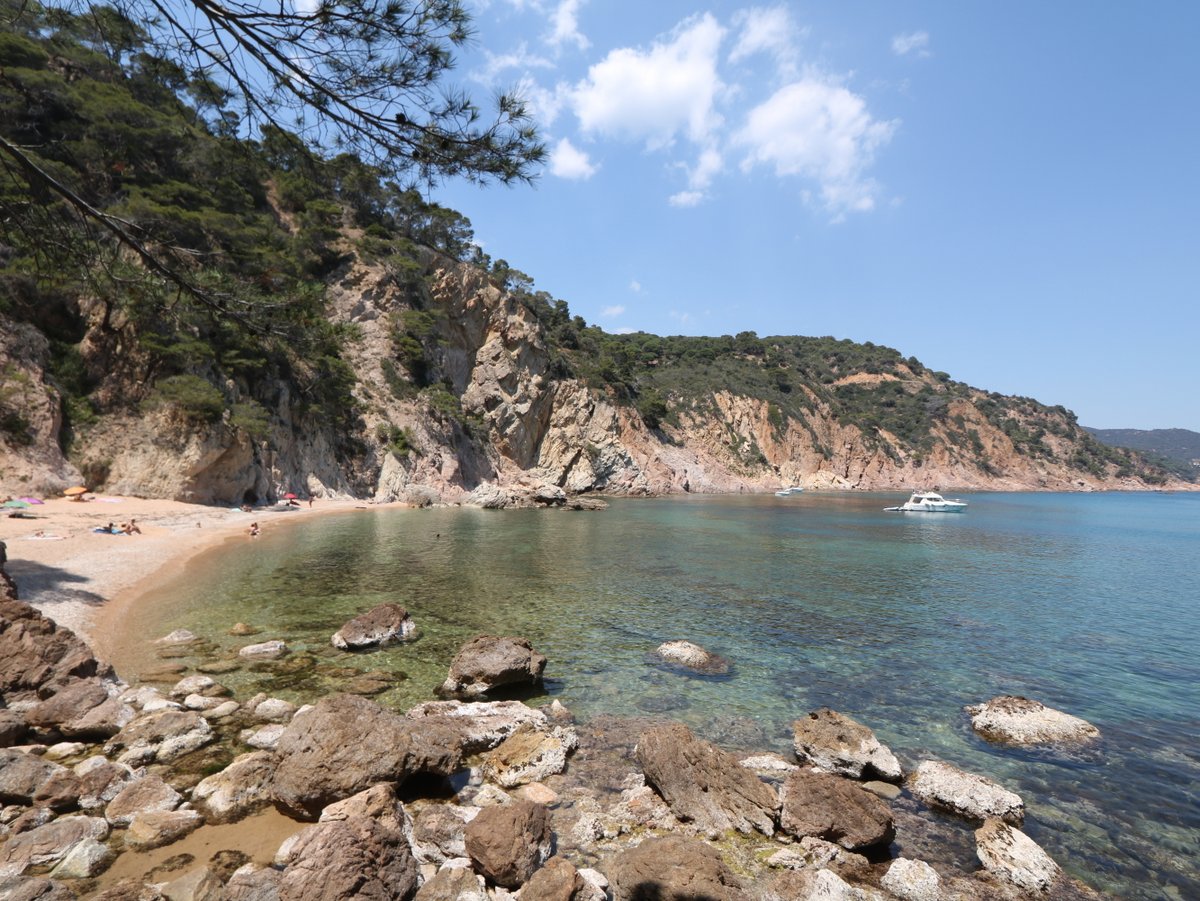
pixel 838 744
pixel 1020 721
pixel 702 783
pixel 382 625
pixel 692 656
pixel 946 787
pixel 266 650
pixel 488 662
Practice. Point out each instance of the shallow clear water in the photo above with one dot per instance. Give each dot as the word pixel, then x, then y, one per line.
pixel 1089 603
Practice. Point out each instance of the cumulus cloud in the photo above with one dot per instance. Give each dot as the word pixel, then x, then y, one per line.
pixel 635 286
pixel 916 43
pixel 768 30
pixel 686 199
pixel 656 95
pixel 564 25
pixel 568 161
pixel 612 312
pixel 819 131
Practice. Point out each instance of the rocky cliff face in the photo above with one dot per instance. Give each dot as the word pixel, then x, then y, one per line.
pixel 491 411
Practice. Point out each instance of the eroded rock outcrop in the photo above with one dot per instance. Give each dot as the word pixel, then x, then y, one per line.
pixel 382 625
pixel 488 662
pixel 672 868
pixel 506 843
pixel 704 784
pixel 834 809
pixel 345 744
pixel 1020 721
pixel 1014 857
pixel 975 797
pixel 841 745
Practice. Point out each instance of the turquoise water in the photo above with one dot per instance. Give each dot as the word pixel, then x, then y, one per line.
pixel 1090 603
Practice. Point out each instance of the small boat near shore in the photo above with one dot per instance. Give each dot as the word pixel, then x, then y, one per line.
pixel 928 502
pixel 788 492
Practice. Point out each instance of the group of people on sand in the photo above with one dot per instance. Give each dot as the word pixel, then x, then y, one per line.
pixel 125 528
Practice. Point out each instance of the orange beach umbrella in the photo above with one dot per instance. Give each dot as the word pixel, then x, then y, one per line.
pixel 75 491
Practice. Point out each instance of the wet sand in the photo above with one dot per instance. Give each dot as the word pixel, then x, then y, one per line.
pixel 84 580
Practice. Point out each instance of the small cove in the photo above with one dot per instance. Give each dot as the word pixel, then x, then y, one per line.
pixel 1086 602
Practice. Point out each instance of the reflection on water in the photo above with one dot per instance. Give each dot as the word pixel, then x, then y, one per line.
pixel 1086 602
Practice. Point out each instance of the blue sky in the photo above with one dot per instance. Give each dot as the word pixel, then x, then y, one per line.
pixel 1008 191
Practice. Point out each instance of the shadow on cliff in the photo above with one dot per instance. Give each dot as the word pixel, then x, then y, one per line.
pixel 656 891
pixel 41 584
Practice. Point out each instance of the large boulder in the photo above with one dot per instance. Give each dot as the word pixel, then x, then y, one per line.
pixel 160 737
pixel 70 702
pixel 1019 721
pixel 382 625
pixel 482 724
pixel 437 832
pixel 453 884
pixel 38 657
pixel 353 858
pixel 975 797
pixel 144 794
pixel 1014 857
pixel 253 883
pixel 155 828
pixel 487 662
pixel 704 784
pixel 28 779
pixel 506 843
pixel 672 868
pixel 834 809
pixel 693 657
pixel 529 755
pixel 239 789
pixel 558 880
pixel 345 744
pixel 47 845
pixel 836 743
pixel 101 780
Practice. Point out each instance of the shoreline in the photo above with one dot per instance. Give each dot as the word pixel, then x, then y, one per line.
pixel 85 580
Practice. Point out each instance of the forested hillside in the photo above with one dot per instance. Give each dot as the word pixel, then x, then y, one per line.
pixel 186 312
pixel 1176 450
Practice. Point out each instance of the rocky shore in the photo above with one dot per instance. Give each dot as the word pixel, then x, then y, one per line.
pixel 185 791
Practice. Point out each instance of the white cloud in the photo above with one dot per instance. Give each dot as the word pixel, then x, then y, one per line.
pixel 612 312
pixel 768 30
pixel 498 63
pixel 917 42
pixel 564 24
pixel 821 132
pixel 567 161
pixel 658 94
pixel 635 286
pixel 686 198
pixel 624 330
pixel 682 317
pixel 543 104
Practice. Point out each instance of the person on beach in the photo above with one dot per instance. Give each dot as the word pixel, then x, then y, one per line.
pixel 131 527
pixel 253 530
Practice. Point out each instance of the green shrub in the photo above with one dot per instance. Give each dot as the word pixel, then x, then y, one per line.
pixel 191 395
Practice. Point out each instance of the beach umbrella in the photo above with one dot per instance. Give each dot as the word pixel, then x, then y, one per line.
pixel 33 500
pixel 15 504
pixel 75 491
pixel 289 496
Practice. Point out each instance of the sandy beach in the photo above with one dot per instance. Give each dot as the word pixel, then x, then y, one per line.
pixel 82 578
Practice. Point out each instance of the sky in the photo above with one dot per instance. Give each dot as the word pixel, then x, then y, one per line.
pixel 1008 191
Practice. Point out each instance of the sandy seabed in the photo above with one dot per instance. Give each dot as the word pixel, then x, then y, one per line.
pixel 83 579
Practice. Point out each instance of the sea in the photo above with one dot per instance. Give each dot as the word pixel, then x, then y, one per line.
pixel 1089 603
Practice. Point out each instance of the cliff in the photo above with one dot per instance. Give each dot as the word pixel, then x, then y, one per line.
pixel 482 392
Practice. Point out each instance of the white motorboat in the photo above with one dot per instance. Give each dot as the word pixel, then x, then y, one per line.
pixel 928 502
pixel 788 492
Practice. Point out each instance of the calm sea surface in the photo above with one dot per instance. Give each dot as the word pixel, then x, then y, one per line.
pixel 1090 603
